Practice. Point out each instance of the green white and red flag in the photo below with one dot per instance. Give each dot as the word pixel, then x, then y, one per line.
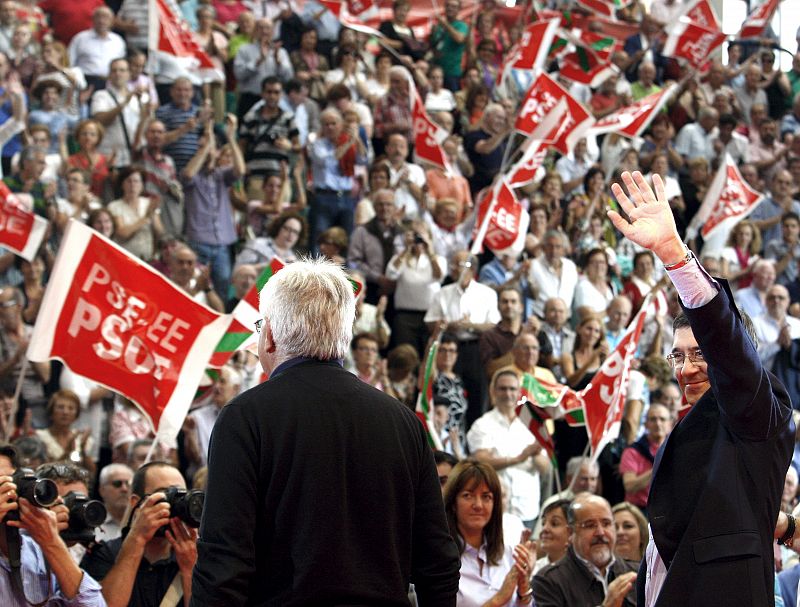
pixel 424 408
pixel 535 419
pixel 604 7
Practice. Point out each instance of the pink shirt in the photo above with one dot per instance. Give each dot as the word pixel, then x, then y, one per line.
pixel 633 461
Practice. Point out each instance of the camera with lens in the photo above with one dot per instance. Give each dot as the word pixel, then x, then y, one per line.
pixel 187 505
pixel 418 239
pixel 84 515
pixel 40 492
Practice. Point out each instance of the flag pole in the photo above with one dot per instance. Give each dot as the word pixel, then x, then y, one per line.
pixel 10 424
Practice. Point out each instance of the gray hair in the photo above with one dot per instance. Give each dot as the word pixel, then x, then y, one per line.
pixel 110 469
pixel 30 152
pixel 310 308
pixel 234 376
pixel 574 465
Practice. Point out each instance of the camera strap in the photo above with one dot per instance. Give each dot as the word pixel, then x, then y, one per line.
pixel 174 592
pixel 14 543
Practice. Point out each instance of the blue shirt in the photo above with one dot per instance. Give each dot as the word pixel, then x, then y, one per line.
pixel 325 167
pixel 41 585
pixel 209 215
pixel 182 149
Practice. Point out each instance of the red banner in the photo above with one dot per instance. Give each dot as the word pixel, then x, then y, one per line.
pixel 534 45
pixel 692 42
pixel 702 13
pixel 427 136
pixel 758 20
pixel 507 223
pixel 20 230
pixel 113 319
pixel 634 119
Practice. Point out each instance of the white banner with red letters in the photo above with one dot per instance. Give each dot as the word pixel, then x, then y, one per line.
pixel 21 231
pixel 115 320
pixel 692 42
pixel 633 120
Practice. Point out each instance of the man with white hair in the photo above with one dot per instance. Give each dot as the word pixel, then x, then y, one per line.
pixel 315 458
pixel 114 488
pixel 91 50
pixel 753 299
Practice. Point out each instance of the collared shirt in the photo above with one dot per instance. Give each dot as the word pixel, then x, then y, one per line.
pixel 114 138
pixel 41 585
pixel 209 215
pixel 249 72
pixel 480 580
pixel 204 417
pixel 325 167
pixel 263 155
pixel 402 197
pixel 767 329
pixel 493 431
pixel 768 209
pixel 633 461
pixel 93 53
pixel 416 285
pixel 182 149
pixel 750 301
pixel 553 283
pixel 327 25
pixel 478 303
pixel 777 249
pixel 694 142
pixel 571 168
pixel 598 575
pixel 695 288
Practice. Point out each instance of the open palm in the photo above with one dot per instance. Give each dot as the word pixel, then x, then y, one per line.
pixel 651 222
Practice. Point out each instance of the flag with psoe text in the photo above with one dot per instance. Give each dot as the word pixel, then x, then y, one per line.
pixel 21 231
pixel 758 20
pixel 501 223
pixel 702 13
pixel 692 42
pixel 534 45
pixel 428 135
pixel 110 317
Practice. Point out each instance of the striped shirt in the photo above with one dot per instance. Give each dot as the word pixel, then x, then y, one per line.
pixel 185 147
pixel 261 133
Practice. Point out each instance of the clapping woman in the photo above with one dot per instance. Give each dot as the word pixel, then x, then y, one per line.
pixel 491 573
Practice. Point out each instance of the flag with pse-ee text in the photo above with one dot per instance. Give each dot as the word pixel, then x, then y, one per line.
pixel 692 42
pixel 633 120
pixel 603 399
pixel 729 199
pixel 115 320
pixel 541 98
pixel 758 20
pixel 21 231
pixel 504 229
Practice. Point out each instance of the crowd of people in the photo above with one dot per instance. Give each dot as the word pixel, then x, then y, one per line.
pixel 305 146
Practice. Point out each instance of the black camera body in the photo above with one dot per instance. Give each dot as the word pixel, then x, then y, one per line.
pixel 41 492
pixel 84 516
pixel 185 504
pixel 418 239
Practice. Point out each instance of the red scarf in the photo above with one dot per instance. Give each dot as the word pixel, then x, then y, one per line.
pixel 347 163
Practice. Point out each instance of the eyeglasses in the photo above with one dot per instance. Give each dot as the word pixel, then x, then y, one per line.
pixel 290 229
pixel 606 524
pixel 258 324
pixel 448 350
pixel 120 483
pixel 676 360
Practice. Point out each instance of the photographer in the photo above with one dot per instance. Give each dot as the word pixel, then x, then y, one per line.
pixel 169 556
pixel 50 576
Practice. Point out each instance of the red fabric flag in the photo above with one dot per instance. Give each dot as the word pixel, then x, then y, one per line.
pixel 170 35
pixel 758 20
pixel 333 6
pixel 356 7
pixel 692 42
pixel 604 398
pixel 502 220
pixel 112 318
pixel 702 13
pixel 427 136
pixel 20 230
pixel 541 98
pixel 729 199
pixel 634 119
pixel 531 52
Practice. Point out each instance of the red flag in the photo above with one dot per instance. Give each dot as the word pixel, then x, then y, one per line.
pixel 427 136
pixel 333 6
pixel 758 20
pixel 604 398
pixel 171 36
pixel 505 221
pixel 634 119
pixel 702 13
pixel 687 40
pixel 601 7
pixel 534 45
pixel 541 98
pixel 112 318
pixel 20 230
pixel 729 199
pixel 590 62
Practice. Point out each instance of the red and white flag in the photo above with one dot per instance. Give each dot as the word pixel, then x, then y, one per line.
pixel 603 400
pixel 603 7
pixel 534 45
pixel 171 39
pixel 633 120
pixel 427 135
pixel 112 318
pixel 729 199
pixel 692 42
pixel 758 20
pixel 21 231
pixel 702 13
pixel 501 221
pixel 524 170
pixel 540 100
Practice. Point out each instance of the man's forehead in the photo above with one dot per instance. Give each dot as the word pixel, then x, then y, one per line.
pixel 684 339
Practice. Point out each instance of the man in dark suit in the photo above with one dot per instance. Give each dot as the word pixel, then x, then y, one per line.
pixel 718 478
pixel 321 489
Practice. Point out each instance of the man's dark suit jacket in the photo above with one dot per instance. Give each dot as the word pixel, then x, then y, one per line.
pixel 718 478
pixel 322 491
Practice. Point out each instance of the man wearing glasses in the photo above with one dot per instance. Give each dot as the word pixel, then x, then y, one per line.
pixel 590 573
pixel 717 479
pixel 114 489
